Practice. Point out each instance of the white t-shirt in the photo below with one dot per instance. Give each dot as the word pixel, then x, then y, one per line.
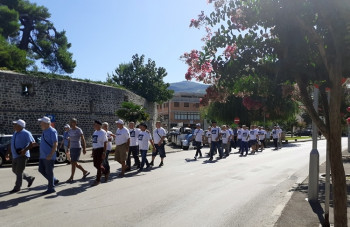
pixel 268 135
pixel 122 136
pixel 262 134
pixel 134 134
pixel 214 133
pixel 225 134
pixel 198 133
pixel 275 133
pixel 239 133
pixel 245 135
pixel 99 138
pixel 161 132
pixel 253 134
pixel 110 140
pixel 279 132
pixel 143 139
pixel 208 135
pixel 231 133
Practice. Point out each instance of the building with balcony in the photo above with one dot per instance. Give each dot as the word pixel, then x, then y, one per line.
pixel 182 109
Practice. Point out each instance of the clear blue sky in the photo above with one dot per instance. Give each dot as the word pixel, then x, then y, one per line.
pixel 106 33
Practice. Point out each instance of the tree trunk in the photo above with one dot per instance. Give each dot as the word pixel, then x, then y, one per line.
pixel 337 167
pixel 27 29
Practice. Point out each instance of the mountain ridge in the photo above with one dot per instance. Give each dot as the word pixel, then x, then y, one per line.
pixel 188 86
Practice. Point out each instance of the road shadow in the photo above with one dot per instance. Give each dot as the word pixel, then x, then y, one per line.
pixel 318 210
pixel 84 184
pixel 210 162
pixel 190 160
pixel 17 201
pixel 291 145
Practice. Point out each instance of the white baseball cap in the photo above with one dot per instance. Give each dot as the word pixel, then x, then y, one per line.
pixel 45 120
pixel 20 122
pixel 120 121
pixel 67 126
pixel 198 124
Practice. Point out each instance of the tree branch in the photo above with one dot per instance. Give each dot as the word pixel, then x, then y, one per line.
pixel 317 39
pixel 309 106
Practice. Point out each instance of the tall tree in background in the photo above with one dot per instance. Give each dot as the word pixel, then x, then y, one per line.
pixel 26 26
pixel 145 80
pixel 302 42
pixel 132 112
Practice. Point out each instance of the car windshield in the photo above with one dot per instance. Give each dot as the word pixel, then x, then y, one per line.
pixel 5 140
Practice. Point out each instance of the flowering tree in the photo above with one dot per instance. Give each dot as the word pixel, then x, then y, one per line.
pixel 287 44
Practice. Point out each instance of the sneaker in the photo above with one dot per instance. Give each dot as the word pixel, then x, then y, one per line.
pixel 30 182
pixel 106 177
pixel 14 191
pixel 87 173
pixel 135 164
pixel 95 183
pixel 151 163
pixel 195 157
pixel 56 182
pixel 49 192
pixel 210 159
pixel 161 164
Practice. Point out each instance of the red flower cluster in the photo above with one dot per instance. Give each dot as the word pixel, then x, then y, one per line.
pixel 230 51
pixel 251 104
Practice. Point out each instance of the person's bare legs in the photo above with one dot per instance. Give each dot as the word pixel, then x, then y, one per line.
pixel 81 168
pixel 73 164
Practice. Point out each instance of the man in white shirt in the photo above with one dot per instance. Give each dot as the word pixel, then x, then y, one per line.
pixel 215 141
pixel 275 136
pixel 279 130
pixel 262 137
pixel 198 139
pixel 144 138
pixel 239 139
pixel 159 135
pixel 110 138
pixel 122 141
pixel 226 137
pixel 245 140
pixel 253 139
pixel 99 147
pixel 208 135
pixel 134 146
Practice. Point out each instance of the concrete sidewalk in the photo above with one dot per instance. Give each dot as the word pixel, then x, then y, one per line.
pixel 299 212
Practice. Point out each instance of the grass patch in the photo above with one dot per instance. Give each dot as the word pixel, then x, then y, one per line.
pixel 298 137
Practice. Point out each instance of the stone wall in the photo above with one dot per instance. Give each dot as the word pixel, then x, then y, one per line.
pixel 29 98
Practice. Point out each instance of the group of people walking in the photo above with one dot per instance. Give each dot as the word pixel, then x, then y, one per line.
pixel 130 141
pixel 222 139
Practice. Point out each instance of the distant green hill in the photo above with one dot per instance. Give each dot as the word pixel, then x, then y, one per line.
pixel 188 86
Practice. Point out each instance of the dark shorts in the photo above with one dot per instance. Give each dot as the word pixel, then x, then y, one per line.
pixel 75 154
pixel 252 142
pixel 133 148
pixel 159 149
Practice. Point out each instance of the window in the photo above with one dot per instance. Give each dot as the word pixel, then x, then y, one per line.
pixel 176 104
pixel 186 104
pixel 187 116
pixel 27 89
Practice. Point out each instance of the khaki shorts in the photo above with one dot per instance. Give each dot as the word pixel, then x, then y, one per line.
pixel 121 153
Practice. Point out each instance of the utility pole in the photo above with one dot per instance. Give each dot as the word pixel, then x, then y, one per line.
pixel 314 157
pixel 328 180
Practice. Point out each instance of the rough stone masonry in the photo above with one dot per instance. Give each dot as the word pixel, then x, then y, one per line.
pixel 29 98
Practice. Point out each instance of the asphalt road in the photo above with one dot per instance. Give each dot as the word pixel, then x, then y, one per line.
pixel 236 191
